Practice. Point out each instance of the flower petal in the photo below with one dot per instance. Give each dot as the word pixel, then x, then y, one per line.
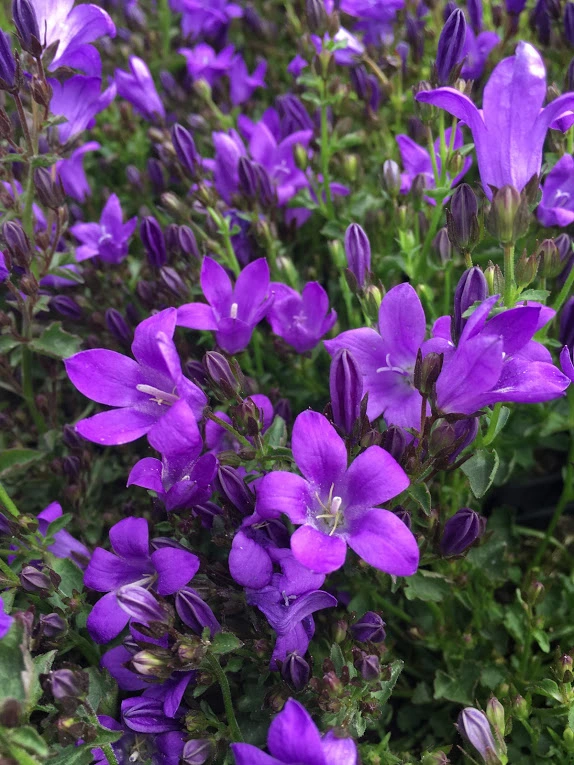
pixel 130 539
pixel 246 754
pixel 147 474
pixel 293 736
pixel 177 432
pixel 196 316
pixel 402 325
pixel 318 552
pixel 106 619
pixel 145 345
pixel 216 286
pixel 115 427
pixel 249 564
pixel 175 568
pixel 381 539
pixel 107 572
pixel 319 451
pixel 105 376
pixel 339 751
pixel 372 478
pixel 281 492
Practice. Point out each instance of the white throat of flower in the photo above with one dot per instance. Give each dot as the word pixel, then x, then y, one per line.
pixel 332 507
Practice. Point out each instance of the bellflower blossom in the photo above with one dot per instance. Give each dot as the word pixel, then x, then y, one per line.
pixel 73 28
pixel 64 544
pixel 293 738
pixel 375 18
pixel 72 173
pixel 301 320
pixel 203 63
pixel 166 569
pixel 206 18
pixel 233 312
pixel 510 129
pixel 556 207
pixel 241 83
pixel 335 505
pixel 107 239
pixel 137 87
pixel 5 620
pixel 144 390
pixel 78 99
pixel 417 161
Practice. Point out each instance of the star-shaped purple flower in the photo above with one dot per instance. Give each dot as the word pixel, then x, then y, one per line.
pixel 301 320
pixel 137 87
pixel 107 239
pixel 556 207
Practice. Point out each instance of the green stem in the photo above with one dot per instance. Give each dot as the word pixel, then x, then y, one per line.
pixel 224 230
pixel 28 388
pixel 229 428
pixel 509 280
pixel 443 147
pixel 434 163
pixel 24 123
pixel 7 502
pixel 325 152
pixel 164 16
pixel 447 287
pixel 215 666
pixel 28 212
pixel 395 610
pixel 494 417
pixel 106 748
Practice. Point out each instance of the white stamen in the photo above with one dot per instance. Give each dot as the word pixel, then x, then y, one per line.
pixel 157 395
pixel 233 312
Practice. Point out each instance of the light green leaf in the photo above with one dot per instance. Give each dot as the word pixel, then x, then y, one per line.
pixel 12 460
pixel 480 470
pixel 225 642
pixel 425 585
pixel 12 665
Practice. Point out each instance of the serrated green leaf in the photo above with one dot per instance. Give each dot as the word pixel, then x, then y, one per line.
pixel 72 576
pixel 56 342
pixel 225 642
pixel 459 689
pixel 28 738
pixel 547 688
pixel 42 665
pixel 73 755
pixel 276 434
pixel 12 460
pixel 387 686
pixel 428 587
pixel 421 495
pixel 480 470
pixel 337 658
pixel 538 295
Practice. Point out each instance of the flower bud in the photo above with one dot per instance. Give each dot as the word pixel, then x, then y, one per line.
pixel 473 725
pixel 17 243
pixel 295 671
pixel 369 628
pixel 391 177
pixel 140 604
pixel 462 530
pixel 550 264
pixel 196 752
pixel 144 714
pixel 403 515
pixel 26 23
pixel 566 332
pixel 184 146
pixel 508 218
pixel 358 252
pixel 495 714
pixel 521 707
pixel 565 669
pixel 450 46
pixel 346 387
pixel 66 306
pixel 526 268
pixel 173 281
pixel 442 246
pixel 247 176
pixel 316 16
pixel 34 580
pixel 368 667
pixel 52 625
pixel 188 242
pixel 462 218
pixel 266 190
pixel 435 758
pixel 229 382
pixel 394 441
pixel 426 373
pixel 360 82
pixel 153 241
pixel 50 192
pixel 471 288
pixel 67 684
pixel 151 664
pixel 7 63
pixel 474 8
pixel 235 489
pixel 118 327
pixel 194 612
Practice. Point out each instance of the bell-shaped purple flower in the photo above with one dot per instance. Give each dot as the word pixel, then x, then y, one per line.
pixel 107 239
pixel 194 612
pixel 232 312
pixel 556 207
pixel 301 320
pixel 241 83
pixel 462 530
pixel 79 99
pixel 137 87
pixel 473 725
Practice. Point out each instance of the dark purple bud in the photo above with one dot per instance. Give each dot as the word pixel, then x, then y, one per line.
pixel 52 625
pixel 473 725
pixel 234 488
pixel 196 752
pixel 206 513
pixel 449 8
pixel 133 176
pixel 471 288
pixel 346 388
pixel 194 612
pixel 5 527
pixel 26 23
pixel 50 192
pixel 7 63
pixel 391 177
pixel 376 93
pixel 68 684
pixel 450 46
pixel 173 281
pixel 71 438
pixel 358 252
pixel 283 410
pixel 71 466
pixel 426 373
pixel 404 515
pixel 145 715
pixel 195 371
pixel 188 242
pixel 369 628
pixel 415 37
pixel 395 442
pixel 155 172
pixel 474 8
pixel 316 16
pixel 515 6
pixel 119 327
pixel 221 375
pixel 248 181
pixel 569 23
pixel 168 82
pixel 295 671
pixel 369 667
pixel 442 246
pixel 267 194
pixel 294 116
pixel 360 82
pixel 34 580
pixel 153 242
pixel 460 531
pixel 185 149
pixel 569 79
pixel 140 604
pixel 563 245
pixel 172 238
pixel 566 334
pixel 462 218
pixel 17 243
pixel 66 306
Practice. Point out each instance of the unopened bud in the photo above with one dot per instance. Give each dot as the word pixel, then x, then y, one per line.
pixel 472 288
pixel 526 269
pixel 508 218
pixel 369 628
pixel 346 388
pixel 17 243
pixel 391 177
pixel 295 671
pixel 426 373
pixel 442 246
pixel 550 264
pixel 26 23
pixel 153 241
pixel 50 191
pixel 196 752
pixel 229 382
pixel 450 46
pixel 368 667
pixel 462 218
pixel 316 16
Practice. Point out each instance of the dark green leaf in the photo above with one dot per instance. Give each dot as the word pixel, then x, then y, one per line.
pixel 72 576
pixel 276 435
pixel 421 495
pixel 28 738
pixel 12 665
pixel 225 642
pixel 12 460
pixel 337 658
pixel 56 342
pixel 480 470
pixel 42 665
pixel 387 686
pixel 427 586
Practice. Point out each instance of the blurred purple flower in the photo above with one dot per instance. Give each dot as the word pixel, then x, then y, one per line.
pixel 107 239
pixel 204 63
pixel 137 87
pixel 242 84
pixel 5 620
pixel 72 174
pixel 556 207
pixel 78 99
pixel 64 545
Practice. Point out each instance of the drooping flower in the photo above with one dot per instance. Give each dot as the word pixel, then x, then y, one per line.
pixel 336 505
pixel 166 570
pixel 137 87
pixel 73 28
pixel 232 312
pixel 293 738
pixel 144 390
pixel 556 207
pixel 510 130
pixel 301 320
pixel 79 99
pixel 107 239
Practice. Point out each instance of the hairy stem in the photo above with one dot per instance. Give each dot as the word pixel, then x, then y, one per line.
pixel 215 666
pixel 7 502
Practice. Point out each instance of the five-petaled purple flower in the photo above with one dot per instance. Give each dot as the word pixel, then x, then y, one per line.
pixel 78 99
pixel 144 390
pixel 137 87
pixel 233 312
pixel 335 504
pixel 301 320
pixel 293 738
pixel 107 239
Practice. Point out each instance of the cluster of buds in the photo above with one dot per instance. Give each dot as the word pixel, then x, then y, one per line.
pixel 508 218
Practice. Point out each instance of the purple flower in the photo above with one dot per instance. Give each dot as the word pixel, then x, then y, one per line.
pixel 476 51
pixel 296 66
pixel 566 362
pixel 72 174
pixel 293 738
pixel 335 505
pixel 107 239
pixel 144 390
pixel 556 207
pixel 376 18
pixel 78 100
pixel 416 161
pixel 5 620
pixel 167 570
pixel 242 84
pixel 233 312
pixel 348 49
pixel 64 545
pixel 301 320
pixel 206 18
pixel 137 87
pixel 203 63
pixel 474 726
pixel 73 28
pixel 461 530
pixel 145 714
pixel 119 747
pixel 387 358
pixel 510 130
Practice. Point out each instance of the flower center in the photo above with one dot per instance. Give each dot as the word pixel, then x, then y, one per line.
pixel 158 396
pixel 390 368
pixel 333 514
pixel 233 310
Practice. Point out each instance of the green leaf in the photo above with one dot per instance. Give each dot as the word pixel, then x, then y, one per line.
pixel 12 460
pixel 12 665
pixel 8 343
pixel 58 524
pixel 387 686
pixel 538 295
pixel 459 689
pixel 421 495
pixel 480 470
pixel 72 576
pixel 225 642
pixel 337 658
pixel 73 755
pixel 542 639
pixel 547 688
pixel 103 691
pixel 42 665
pixel 67 273
pixel 28 738
pixel 276 434
pixel 571 717
pixel 56 342
pixel 428 586
pixel 502 420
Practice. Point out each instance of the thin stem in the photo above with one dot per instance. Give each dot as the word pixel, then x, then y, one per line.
pixel 443 147
pixel 492 425
pixel 24 123
pixel 434 163
pixel 447 287
pixel 325 154
pixel 28 211
pixel 7 502
pixel 28 388
pixel 229 428
pixel 509 280
pixel 165 26
pixel 106 748
pixel 377 72
pixel 215 666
